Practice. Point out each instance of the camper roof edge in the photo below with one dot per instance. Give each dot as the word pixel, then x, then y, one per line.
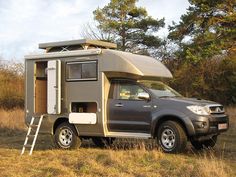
pixel 78 42
pixel 65 54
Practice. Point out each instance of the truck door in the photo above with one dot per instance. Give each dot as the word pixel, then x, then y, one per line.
pixel 54 87
pixel 126 112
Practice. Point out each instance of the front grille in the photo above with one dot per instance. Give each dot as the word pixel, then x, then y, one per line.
pixel 216 109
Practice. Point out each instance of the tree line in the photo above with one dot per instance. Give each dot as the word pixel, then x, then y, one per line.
pixel 200 50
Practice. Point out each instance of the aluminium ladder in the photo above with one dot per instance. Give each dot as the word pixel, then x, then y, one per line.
pixel 31 127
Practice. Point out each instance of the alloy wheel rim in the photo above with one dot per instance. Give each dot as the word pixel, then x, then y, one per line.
pixel 168 138
pixel 65 137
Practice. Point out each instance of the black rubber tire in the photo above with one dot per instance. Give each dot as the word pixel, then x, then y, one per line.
pixel 180 137
pixel 75 140
pixel 103 142
pixel 208 144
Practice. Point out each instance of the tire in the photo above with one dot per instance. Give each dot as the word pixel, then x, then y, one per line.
pixel 66 137
pixel 198 145
pixel 171 137
pixel 103 141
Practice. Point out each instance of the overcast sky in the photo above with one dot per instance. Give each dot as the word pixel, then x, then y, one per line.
pixel 25 23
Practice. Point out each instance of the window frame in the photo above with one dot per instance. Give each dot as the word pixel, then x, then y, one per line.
pixel 116 90
pixel 81 62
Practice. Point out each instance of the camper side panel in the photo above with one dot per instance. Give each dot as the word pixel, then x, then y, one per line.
pixel 84 94
pixel 77 95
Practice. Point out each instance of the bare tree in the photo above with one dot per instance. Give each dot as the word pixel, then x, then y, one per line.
pixel 90 31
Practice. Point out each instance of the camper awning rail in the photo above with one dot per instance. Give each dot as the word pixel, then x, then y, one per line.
pixel 64 54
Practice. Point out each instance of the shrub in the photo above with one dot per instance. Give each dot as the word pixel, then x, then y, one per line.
pixel 213 79
pixel 11 86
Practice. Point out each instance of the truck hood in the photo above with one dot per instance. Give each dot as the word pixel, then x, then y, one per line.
pixel 189 101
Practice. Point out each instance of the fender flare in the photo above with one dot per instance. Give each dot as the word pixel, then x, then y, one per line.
pixel 170 114
pixel 60 120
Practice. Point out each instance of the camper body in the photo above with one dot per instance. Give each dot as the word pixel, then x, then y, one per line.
pixel 85 89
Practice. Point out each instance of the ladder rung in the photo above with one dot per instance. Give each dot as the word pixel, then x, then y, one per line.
pixel 33 126
pixel 37 117
pixel 30 135
pixel 28 146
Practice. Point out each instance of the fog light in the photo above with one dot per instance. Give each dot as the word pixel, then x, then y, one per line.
pixel 201 124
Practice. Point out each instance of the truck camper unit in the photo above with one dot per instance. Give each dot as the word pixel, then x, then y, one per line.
pixel 86 89
pixel 71 81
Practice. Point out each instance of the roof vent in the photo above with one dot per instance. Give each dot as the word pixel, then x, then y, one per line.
pixel 81 44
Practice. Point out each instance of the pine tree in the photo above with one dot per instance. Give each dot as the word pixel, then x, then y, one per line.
pixel 131 26
pixel 207 29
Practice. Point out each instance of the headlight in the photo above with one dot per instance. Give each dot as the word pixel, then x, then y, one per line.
pixel 199 110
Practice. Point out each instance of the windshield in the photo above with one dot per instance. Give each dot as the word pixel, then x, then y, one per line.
pixel 160 90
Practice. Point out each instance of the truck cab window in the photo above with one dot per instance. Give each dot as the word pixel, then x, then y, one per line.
pixel 127 91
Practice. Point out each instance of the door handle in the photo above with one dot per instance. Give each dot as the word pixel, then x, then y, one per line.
pixel 147 106
pixel 119 105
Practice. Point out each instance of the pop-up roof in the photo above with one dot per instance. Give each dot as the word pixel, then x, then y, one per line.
pixel 114 63
pixel 81 44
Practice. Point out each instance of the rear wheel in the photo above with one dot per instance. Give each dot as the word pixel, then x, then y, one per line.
pixel 103 141
pixel 172 137
pixel 66 136
pixel 198 145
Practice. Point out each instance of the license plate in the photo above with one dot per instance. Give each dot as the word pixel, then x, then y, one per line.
pixel 222 126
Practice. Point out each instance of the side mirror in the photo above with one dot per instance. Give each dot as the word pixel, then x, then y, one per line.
pixel 143 96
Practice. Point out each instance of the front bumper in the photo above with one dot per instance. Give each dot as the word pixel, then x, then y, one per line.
pixel 206 125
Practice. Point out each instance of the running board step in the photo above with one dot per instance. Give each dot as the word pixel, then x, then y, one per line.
pixel 128 135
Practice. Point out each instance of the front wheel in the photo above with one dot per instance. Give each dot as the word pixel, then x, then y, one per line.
pixel 171 137
pixel 66 137
pixel 198 145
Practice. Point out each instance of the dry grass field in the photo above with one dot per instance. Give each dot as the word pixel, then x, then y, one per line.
pixel 120 160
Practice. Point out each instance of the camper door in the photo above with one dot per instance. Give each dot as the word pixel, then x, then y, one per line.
pixel 54 87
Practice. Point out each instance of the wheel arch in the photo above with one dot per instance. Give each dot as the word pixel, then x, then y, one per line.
pixel 59 121
pixel 185 124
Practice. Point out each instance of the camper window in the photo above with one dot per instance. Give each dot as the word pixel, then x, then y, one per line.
pixel 81 71
pixel 85 107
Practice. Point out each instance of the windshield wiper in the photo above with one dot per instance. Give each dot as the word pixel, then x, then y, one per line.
pixel 165 96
